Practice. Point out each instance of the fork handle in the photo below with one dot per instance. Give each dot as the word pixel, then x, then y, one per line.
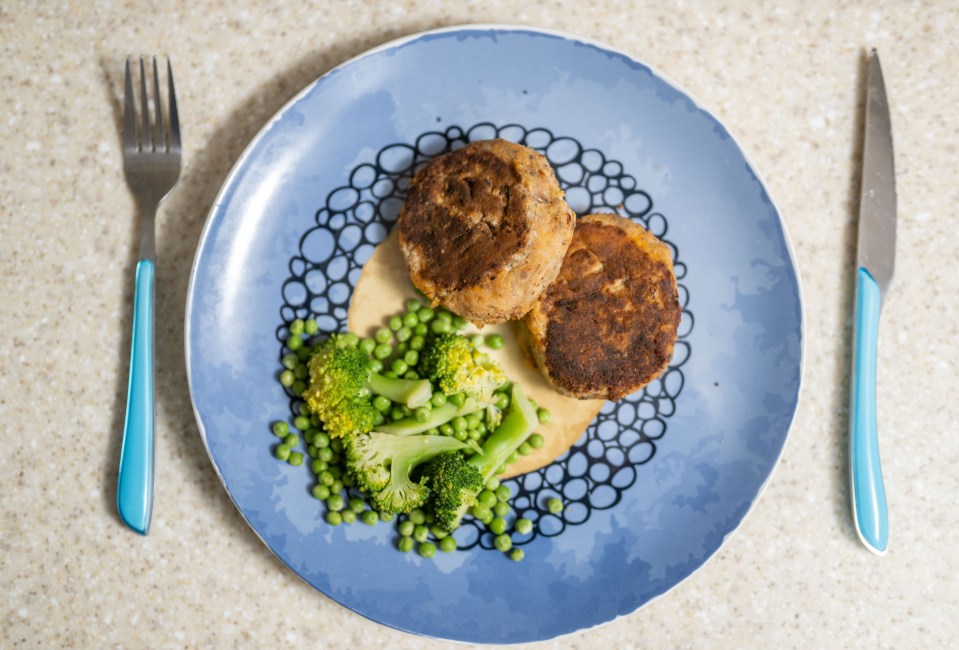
pixel 135 481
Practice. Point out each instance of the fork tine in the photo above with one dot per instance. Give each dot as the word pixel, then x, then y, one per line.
pixel 129 111
pixel 173 112
pixel 146 139
pixel 160 135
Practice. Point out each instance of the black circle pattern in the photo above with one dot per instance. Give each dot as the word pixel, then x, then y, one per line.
pixel 602 464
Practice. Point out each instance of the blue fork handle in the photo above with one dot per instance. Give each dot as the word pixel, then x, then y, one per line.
pixel 868 493
pixel 135 482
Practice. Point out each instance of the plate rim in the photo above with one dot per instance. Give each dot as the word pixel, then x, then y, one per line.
pixel 240 164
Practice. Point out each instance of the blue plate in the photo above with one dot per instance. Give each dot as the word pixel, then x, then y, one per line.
pixel 659 480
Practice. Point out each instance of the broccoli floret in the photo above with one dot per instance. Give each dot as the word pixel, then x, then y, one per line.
pixel 341 383
pixel 454 365
pixel 457 481
pixel 382 464
pixel 439 415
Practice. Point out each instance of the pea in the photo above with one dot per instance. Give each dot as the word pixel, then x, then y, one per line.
pixel 501 401
pixel 410 320
pixel 446 429
pixel 405 545
pixel 413 305
pixel 472 421
pixel 438 532
pixel 497 526
pixel 326 478
pixel 348 516
pixel 310 326
pixel 292 440
pixel 417 343
pixel 417 516
pixel 294 342
pixel 396 413
pixel 404 334
pixel 438 399
pixel 326 454
pixel 421 330
pixel 321 492
pixel 282 451
pixel 421 533
pixel 477 340
pixel 517 555
pixel 296 458
pixel 439 327
pixel 335 502
pixel 348 480
pixel 280 429
pixel 554 505
pixel 399 366
pixel 334 518
pixel 501 509
pixel 287 378
pixel 375 365
pixel 459 322
pixel 503 543
pixel 543 415
pixel 427 549
pixel 382 351
pixel 357 505
pixel 411 357
pixel 535 441
pixel 369 518
pixel 524 449
pixel 503 493
pixel 367 346
pixel 318 466
pixel 422 414
pixel 448 544
pixel 337 486
pixel 395 323
pixel 480 511
pixel 523 526
pixel 458 399
pixel 425 314
pixel 296 327
pixel 432 431
pixel 383 335
pixel 486 499
pixel 512 458
pixel 382 404
pixel 351 339
pixel 290 361
pixel 492 484
pixel 386 516
pixel 495 342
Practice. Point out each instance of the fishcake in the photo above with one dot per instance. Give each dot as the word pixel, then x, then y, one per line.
pixel 484 230
pixel 607 325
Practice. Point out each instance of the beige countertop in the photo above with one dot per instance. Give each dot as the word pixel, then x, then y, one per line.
pixel 784 80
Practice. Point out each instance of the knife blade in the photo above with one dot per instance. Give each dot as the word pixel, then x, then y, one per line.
pixel 875 262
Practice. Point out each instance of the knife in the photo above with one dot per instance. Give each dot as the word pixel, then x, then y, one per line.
pixel 876 252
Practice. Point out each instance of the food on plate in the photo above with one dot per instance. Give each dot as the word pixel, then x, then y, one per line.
pixel 607 325
pixel 484 229
pixel 381 415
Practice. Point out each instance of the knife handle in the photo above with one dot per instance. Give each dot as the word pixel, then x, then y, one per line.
pixel 868 493
pixel 135 480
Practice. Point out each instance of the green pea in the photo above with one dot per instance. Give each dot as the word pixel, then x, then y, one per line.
pixel 383 335
pixel 294 342
pixel 417 343
pixel 487 517
pixel 421 330
pixel 459 423
pixel 389 374
pixel 535 441
pixel 421 533
pixel 501 401
pixel 321 440
pixel 524 449
pixel 448 544
pixel 417 516
pixel 517 555
pixel 310 326
pixel 481 429
pixel 382 404
pixel 375 365
pixel 425 314
pixel 404 334
pixel 410 320
pixel 357 505
pixel 386 516
pixel 406 528
pixel 336 444
pixel 458 399
pixel 495 342
pixel 336 471
pixel 500 470
pixel 369 518
pixel 503 542
pixel 291 440
pixel 382 351
pixel 296 327
pixel 503 493
pixel 399 366
pixel 290 361
pixel 497 526
pixel 351 339
pixel 543 415
pixel 301 422
pixel 348 480
pixel 318 466
pixel 413 305
pixel 301 371
pixel 492 483
pixel 348 516
pixel 472 421
pixel 501 509
pixel 337 486
pixel 321 492
pixel 459 322
pixel 282 451
pixel 367 346
pixel 422 414
pixel 440 327
pixel 523 526
pixel 395 323
pixel 446 429
pixel 554 505
pixel 326 478
pixel 438 532
pixel 438 399
pixel 427 549
pixel 296 458
pixel 486 499
pixel 405 545
pixel 280 429
pixel 335 502
pixel 326 454
pixel 334 518
pixel 287 378
pixel 474 434
pixel 481 512
pixel 411 374
pixel 512 458
pixel 477 340
pixel 411 357
pixel 432 431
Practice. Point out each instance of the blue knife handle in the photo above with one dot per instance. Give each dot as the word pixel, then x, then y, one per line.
pixel 135 481
pixel 868 493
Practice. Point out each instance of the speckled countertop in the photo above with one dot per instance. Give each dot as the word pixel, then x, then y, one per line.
pixel 785 79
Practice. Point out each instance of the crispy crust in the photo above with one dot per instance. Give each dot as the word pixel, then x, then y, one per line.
pixel 607 325
pixel 484 230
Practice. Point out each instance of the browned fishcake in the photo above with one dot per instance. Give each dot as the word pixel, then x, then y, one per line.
pixel 484 230
pixel 607 325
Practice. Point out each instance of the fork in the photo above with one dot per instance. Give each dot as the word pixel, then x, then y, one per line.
pixel 151 163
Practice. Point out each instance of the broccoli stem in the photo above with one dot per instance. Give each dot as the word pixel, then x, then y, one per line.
pixel 518 424
pixel 412 392
pixel 439 415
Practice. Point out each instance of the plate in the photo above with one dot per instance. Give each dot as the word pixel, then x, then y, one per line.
pixel 659 480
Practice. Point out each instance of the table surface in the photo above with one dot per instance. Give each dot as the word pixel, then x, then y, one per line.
pixel 788 81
